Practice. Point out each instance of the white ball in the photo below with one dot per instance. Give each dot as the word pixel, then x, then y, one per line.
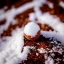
pixel 31 29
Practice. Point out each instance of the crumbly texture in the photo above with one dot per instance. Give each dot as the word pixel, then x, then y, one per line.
pixel 44 51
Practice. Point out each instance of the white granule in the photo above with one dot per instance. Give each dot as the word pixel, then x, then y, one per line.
pixel 31 29
pixel 50 4
pixel 37 54
pixel 32 17
pixel 41 50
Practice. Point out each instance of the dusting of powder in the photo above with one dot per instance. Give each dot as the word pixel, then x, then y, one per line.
pixel 10 14
pixel 41 50
pixel 11 52
pixel 10 49
pixel 52 21
pixel 55 35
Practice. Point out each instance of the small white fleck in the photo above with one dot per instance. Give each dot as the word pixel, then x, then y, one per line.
pixel 37 54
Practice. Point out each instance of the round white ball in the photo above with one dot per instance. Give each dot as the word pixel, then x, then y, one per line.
pixel 31 29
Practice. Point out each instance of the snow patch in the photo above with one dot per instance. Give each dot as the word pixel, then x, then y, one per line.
pixel 61 4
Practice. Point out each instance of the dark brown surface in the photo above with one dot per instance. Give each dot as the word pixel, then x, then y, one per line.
pixel 10 3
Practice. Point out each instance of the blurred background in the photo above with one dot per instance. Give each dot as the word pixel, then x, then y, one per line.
pixel 17 3
pixel 54 7
pixel 11 2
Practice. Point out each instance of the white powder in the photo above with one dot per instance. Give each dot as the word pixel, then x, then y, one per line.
pixel 52 21
pixel 15 11
pixel 10 50
pixel 50 4
pixel 13 47
pixel 55 35
pixel 61 4
pixel 32 17
pixel 49 61
pixel 10 14
pixel 31 29
pixel 20 57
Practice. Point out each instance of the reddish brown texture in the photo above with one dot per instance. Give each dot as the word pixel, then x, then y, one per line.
pixel 45 8
pixel 33 38
pixel 45 27
pixel 43 45
pixel 34 57
pixel 41 42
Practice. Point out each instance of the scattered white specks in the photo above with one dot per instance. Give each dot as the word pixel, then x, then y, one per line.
pixel 37 54
pixel 41 50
